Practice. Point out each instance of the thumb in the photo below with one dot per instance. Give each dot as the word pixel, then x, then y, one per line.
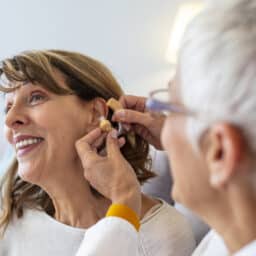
pixel 112 144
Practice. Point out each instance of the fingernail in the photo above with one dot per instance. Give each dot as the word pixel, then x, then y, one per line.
pixel 127 127
pixel 120 113
pixel 114 134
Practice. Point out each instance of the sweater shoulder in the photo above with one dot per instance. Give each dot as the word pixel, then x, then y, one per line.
pixel 166 232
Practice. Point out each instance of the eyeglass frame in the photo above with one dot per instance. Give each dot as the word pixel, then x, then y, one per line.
pixel 155 105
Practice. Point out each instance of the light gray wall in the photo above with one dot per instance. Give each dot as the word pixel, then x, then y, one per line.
pixel 130 36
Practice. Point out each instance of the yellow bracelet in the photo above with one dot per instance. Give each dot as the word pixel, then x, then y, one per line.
pixel 122 211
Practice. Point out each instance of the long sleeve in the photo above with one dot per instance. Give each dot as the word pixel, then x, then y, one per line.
pixel 110 236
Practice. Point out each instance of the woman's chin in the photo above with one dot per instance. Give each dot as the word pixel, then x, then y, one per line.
pixel 27 175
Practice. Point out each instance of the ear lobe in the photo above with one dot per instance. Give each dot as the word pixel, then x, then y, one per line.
pixel 223 153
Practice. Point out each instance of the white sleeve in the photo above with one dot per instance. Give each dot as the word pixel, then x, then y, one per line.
pixel 110 236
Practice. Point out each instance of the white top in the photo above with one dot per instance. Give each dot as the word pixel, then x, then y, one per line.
pixel 163 232
pixel 213 245
pixel 248 250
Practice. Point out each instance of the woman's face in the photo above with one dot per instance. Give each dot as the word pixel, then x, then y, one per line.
pixel 43 128
pixel 188 168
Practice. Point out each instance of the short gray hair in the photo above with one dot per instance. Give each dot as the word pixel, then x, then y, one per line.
pixel 217 68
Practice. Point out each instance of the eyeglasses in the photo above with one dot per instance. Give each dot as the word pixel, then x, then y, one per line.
pixel 158 101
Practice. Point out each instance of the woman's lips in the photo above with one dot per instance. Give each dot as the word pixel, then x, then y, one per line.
pixel 25 150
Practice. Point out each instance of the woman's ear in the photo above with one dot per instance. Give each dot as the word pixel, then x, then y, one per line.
pixel 223 151
pixel 99 110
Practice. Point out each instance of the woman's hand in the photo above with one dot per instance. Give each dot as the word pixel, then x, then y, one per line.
pixel 111 174
pixel 145 124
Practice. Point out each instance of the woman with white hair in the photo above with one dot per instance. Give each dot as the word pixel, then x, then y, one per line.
pixel 210 135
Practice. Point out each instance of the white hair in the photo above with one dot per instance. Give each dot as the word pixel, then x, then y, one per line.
pixel 217 68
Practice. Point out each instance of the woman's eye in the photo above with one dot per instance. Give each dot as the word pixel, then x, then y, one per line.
pixel 34 98
pixel 6 109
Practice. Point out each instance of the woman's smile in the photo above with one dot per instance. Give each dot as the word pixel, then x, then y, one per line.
pixel 25 146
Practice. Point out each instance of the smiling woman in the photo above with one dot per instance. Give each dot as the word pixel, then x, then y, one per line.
pixel 52 99
pixel 46 77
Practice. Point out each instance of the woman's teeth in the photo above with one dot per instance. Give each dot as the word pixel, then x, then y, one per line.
pixel 27 142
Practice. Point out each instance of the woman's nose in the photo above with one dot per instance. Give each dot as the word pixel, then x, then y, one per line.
pixel 15 117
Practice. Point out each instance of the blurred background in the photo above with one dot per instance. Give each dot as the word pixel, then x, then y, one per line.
pixel 136 39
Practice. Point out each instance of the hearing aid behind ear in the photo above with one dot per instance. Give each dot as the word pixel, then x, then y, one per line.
pixel 114 104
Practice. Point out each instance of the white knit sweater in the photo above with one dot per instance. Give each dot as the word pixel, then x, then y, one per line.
pixel 163 232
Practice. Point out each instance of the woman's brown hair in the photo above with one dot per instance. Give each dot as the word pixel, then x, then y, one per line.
pixel 85 77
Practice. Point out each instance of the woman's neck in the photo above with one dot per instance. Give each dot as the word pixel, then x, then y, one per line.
pixel 74 202
pixel 80 210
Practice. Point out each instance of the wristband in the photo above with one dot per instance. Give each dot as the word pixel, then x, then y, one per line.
pixel 124 212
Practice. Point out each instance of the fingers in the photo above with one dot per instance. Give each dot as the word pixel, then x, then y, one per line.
pixel 121 142
pixel 130 102
pixel 85 148
pixel 92 136
pixel 142 131
pixel 132 117
pixel 113 144
pixel 126 127
pixel 99 141
pixel 133 102
pixel 91 142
